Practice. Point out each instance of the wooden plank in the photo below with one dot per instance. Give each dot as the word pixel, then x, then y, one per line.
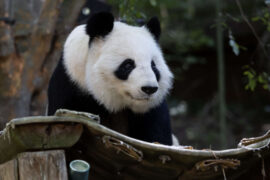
pixel 9 170
pixel 43 165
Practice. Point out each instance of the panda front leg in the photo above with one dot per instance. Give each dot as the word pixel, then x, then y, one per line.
pixel 152 126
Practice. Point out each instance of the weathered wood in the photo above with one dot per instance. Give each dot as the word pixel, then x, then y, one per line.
pixel 9 170
pixel 6 40
pixel 43 165
pixel 38 136
pixel 115 156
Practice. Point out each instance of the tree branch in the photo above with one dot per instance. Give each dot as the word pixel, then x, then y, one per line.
pixel 251 27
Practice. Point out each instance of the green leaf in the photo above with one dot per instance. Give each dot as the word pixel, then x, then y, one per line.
pixel 266 86
pixel 252 85
pixel 249 74
pixel 257 18
pixel 260 79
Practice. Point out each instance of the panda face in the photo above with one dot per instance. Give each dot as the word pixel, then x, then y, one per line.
pixel 129 71
pixel 122 67
pixel 145 89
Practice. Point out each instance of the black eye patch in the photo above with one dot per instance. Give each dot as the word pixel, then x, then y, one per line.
pixel 156 71
pixel 125 69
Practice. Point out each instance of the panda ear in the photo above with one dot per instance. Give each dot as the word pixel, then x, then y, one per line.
pixel 153 26
pixel 99 24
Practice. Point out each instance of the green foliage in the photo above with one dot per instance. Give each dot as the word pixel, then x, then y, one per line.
pixel 255 78
pixel 128 12
pixel 264 18
pixel 131 10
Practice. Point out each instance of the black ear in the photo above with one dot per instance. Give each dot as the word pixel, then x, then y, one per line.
pixel 99 24
pixel 153 26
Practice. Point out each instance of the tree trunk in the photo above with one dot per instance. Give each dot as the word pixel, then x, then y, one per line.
pixel 221 77
pixel 29 50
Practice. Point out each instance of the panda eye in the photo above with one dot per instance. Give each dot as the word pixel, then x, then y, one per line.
pixel 125 69
pixel 128 64
pixel 155 70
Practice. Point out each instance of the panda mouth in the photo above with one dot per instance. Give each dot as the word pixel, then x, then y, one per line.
pixel 137 99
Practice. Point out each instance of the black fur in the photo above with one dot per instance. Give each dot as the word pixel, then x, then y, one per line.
pixel 153 26
pixel 125 69
pixel 63 93
pixel 99 25
pixel 153 126
pixel 156 71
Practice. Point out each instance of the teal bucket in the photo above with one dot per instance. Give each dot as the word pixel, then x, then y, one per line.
pixel 78 170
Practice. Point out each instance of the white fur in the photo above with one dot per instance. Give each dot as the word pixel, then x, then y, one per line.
pixel 175 141
pixel 75 54
pixel 93 68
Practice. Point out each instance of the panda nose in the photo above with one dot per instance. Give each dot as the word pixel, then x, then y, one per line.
pixel 149 89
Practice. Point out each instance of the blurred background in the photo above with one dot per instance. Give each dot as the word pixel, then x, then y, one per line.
pixel 219 52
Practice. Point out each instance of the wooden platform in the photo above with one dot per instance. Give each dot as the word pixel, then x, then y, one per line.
pixel 115 156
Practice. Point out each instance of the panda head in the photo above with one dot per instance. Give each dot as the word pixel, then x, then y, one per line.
pixel 120 65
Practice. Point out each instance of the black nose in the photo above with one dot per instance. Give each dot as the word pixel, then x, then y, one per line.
pixel 149 89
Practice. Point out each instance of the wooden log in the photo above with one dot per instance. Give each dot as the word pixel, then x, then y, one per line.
pixel 43 165
pixel 8 170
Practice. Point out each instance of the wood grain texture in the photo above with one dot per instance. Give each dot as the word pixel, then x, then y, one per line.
pixel 9 170
pixel 43 165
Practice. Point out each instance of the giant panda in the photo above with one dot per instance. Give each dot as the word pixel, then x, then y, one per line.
pixel 118 72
